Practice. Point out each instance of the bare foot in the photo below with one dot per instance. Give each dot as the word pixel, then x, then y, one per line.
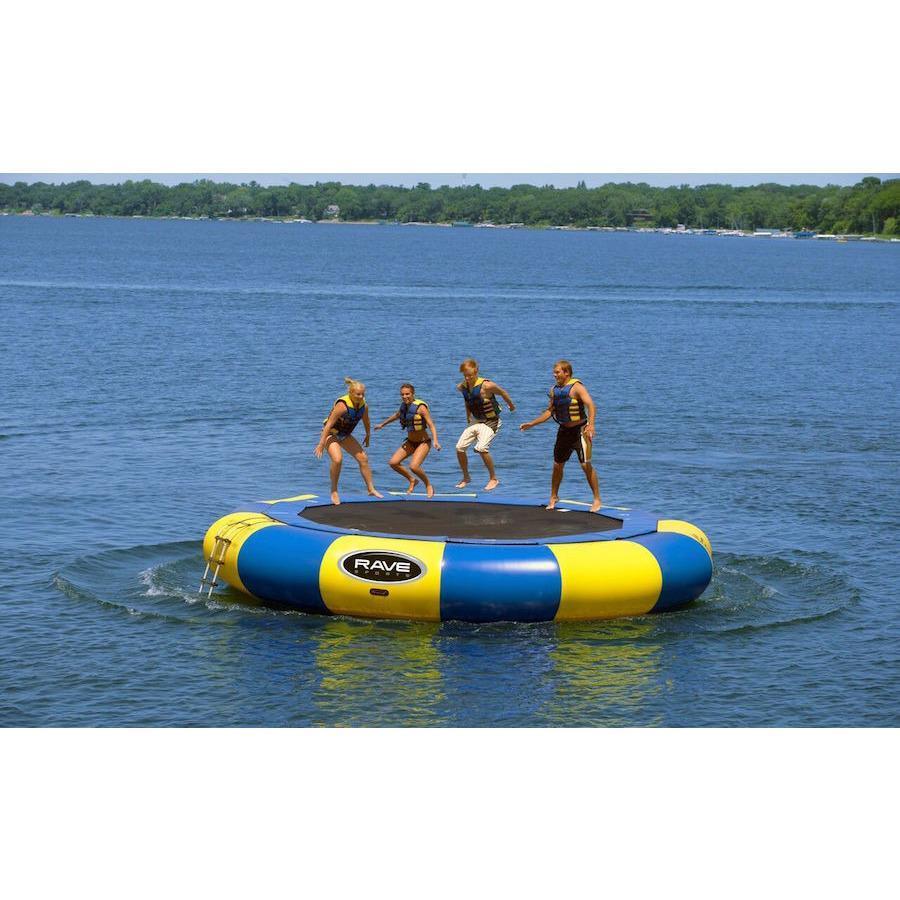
pixel 335 499
pixel 374 493
pixel 412 485
pixel 552 503
pixel 463 483
pixel 430 490
pixel 595 506
pixel 492 484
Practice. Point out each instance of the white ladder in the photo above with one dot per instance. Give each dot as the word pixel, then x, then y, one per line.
pixel 217 559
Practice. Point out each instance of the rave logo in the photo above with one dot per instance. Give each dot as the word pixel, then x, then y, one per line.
pixel 382 566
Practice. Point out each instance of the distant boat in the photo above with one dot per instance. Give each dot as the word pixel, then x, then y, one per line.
pixel 804 234
pixel 462 224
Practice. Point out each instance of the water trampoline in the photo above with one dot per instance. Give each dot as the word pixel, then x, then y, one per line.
pixel 458 557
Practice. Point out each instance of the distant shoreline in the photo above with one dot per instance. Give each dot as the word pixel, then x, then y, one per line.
pixel 758 234
pixel 871 207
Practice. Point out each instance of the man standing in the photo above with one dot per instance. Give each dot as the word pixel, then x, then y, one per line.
pixel 483 418
pixel 573 408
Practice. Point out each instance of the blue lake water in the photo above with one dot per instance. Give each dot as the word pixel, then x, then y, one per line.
pixel 159 373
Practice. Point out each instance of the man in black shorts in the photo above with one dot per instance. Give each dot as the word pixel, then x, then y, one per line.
pixel 573 408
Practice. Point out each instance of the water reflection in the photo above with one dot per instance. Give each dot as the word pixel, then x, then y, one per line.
pixel 330 671
pixel 391 673
pixel 605 674
pixel 375 672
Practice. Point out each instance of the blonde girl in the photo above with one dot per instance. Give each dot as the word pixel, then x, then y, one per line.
pixel 337 435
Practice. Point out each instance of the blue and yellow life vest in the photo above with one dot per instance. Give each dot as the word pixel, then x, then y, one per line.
pixel 351 417
pixel 567 408
pixel 411 417
pixel 482 409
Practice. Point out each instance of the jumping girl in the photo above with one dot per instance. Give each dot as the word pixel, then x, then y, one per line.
pixel 347 413
pixel 415 419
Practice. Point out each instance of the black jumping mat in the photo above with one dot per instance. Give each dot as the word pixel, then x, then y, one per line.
pixel 484 521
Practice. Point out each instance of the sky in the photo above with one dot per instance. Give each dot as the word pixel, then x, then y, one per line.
pixel 437 179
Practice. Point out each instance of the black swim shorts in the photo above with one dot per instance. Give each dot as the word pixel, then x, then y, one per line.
pixel 569 439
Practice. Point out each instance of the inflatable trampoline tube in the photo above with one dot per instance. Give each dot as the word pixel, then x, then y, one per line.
pixel 463 558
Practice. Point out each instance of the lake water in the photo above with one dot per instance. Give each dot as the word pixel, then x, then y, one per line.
pixel 159 373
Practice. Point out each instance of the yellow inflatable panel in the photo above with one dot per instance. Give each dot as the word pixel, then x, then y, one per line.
pixel 349 596
pixel 685 528
pixel 604 580
pixel 236 527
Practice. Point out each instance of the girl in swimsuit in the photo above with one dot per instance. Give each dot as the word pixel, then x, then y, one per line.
pixel 415 419
pixel 337 435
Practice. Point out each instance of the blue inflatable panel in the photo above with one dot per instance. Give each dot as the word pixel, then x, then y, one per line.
pixel 522 583
pixel 685 565
pixel 282 565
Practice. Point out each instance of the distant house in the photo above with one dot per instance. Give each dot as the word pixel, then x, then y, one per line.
pixel 332 211
pixel 641 215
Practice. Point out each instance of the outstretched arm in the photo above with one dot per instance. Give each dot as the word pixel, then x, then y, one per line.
pixel 388 421
pixel 367 425
pixel 538 421
pixel 495 388
pixel 580 392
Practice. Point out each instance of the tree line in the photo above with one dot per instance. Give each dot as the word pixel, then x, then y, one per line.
pixel 871 206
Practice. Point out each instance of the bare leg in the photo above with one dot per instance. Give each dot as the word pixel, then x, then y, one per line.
pixel 493 481
pixel 415 464
pixel 591 475
pixel 364 468
pixel 555 481
pixel 463 461
pixel 336 455
pixel 395 464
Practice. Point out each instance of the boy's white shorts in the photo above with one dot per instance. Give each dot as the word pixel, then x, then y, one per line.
pixel 480 434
